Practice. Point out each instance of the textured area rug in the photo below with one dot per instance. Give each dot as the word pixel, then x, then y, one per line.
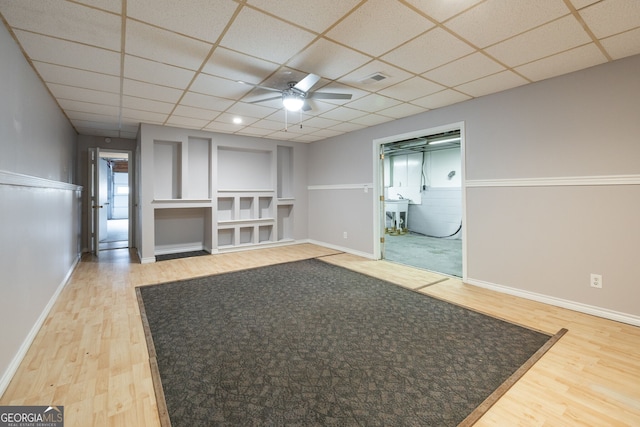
pixel 311 344
pixel 179 255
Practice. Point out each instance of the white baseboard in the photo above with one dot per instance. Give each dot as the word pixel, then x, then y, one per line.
pixel 342 249
pixel 176 249
pixel 559 302
pixel 22 351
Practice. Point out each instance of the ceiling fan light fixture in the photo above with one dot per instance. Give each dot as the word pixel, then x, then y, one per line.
pixel 292 102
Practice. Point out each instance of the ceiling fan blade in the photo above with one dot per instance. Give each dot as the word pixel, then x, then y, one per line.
pixel 306 106
pixel 266 99
pixel 328 95
pixel 307 83
pixel 260 87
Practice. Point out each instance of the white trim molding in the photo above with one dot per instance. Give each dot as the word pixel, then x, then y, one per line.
pixel 556 181
pixel 17 179
pixel 342 249
pixel 366 187
pixel 559 302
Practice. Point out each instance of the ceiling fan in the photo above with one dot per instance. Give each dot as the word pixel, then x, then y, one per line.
pixel 294 97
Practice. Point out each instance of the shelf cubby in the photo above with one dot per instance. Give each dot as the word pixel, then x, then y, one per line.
pixel 265 233
pixel 245 235
pixel 226 237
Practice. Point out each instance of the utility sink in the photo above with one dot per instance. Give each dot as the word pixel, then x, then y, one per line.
pixel 397 208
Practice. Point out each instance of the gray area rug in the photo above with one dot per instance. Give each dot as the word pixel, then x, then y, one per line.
pixel 311 344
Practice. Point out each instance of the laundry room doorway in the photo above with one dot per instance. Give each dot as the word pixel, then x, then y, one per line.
pixel 420 185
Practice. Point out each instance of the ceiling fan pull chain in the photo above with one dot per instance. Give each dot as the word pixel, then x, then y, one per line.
pixel 286 125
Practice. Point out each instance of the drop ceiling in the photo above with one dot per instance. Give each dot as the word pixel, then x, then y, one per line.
pixel 112 64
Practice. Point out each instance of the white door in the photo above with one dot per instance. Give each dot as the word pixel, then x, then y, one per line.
pixel 97 198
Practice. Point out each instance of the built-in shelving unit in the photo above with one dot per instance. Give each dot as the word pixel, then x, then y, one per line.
pixel 245 218
pixel 215 195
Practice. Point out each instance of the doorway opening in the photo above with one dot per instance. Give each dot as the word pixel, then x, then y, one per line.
pixel 421 193
pixel 114 182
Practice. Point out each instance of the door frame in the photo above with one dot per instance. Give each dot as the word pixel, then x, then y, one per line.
pixel 95 153
pixel 378 185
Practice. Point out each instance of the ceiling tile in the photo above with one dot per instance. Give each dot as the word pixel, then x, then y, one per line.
pixel 441 46
pixel 236 66
pixel 371 120
pixel 109 5
pixel 187 122
pixel 360 78
pixel 496 20
pixel 325 133
pixel 565 62
pixel 85 95
pixel 412 88
pixel 463 70
pixel 156 72
pixel 441 99
pixel 150 91
pixel 402 110
pixel 87 107
pixel 65 20
pixel 146 105
pixel 343 114
pixel 196 113
pixel 224 127
pixel 251 110
pixel 370 30
pixel 207 102
pixel 579 4
pixel 51 73
pixel 159 45
pixel 320 122
pixel 201 19
pixel 97 120
pixel 263 36
pixel 610 17
pixel 493 83
pixel 562 34
pixel 442 10
pixel 622 45
pixel 272 125
pixel 347 127
pixel 328 59
pixel 70 54
pixel 316 15
pixel 143 116
pixel 217 86
pixel 254 131
pixel 372 103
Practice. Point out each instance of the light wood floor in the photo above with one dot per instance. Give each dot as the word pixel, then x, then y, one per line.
pixel 91 356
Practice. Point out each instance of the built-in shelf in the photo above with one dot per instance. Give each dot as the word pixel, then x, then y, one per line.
pixel 208 192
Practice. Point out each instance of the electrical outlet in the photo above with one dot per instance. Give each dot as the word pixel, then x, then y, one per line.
pixel 344 234
pixel 596 280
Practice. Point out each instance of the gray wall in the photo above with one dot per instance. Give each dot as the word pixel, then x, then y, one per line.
pixel 39 205
pixel 552 187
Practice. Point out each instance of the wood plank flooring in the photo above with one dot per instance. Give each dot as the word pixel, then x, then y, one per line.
pixel 91 356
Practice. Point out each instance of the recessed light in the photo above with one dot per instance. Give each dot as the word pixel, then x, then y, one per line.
pixel 237 120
